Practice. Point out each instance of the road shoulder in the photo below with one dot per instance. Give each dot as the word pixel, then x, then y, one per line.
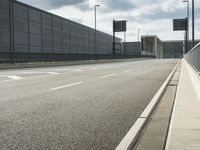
pixel 153 135
pixel 184 129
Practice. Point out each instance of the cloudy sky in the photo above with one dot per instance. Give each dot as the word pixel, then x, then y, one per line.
pixel 152 16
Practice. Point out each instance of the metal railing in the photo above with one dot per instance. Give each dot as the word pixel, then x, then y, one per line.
pixel 193 57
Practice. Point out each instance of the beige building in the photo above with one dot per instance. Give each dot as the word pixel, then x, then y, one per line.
pixel 151 45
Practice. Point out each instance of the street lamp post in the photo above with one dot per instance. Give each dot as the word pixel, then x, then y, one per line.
pixel 139 34
pixel 95 15
pixel 193 23
pixel 187 36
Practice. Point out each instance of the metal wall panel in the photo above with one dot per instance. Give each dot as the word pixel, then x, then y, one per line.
pixel 4 6
pixel 47 31
pixel 65 25
pixel 4 36
pixel 34 27
pixel 20 11
pixel 4 41
pixel 34 15
pixel 131 48
pixel 57 45
pixel 35 40
pixel 173 49
pixel 57 22
pixel 73 37
pixel 73 47
pixel 66 47
pixel 4 26
pixel 46 19
pixel 72 27
pixel 85 41
pixel 20 38
pixel 4 21
pixel 66 36
pixel 4 47
pixel 57 34
pixel 47 42
pixel 21 48
pixel 20 24
pixel 35 49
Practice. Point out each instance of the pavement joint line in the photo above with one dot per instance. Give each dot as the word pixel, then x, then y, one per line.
pixel 65 86
pixel 142 117
pixel 132 134
pixel 108 75
pixel 13 77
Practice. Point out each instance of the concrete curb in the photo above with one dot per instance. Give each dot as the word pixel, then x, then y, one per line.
pixel 131 137
pixel 67 63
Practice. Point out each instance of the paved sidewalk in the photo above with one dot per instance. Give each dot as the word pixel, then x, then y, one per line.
pixel 184 132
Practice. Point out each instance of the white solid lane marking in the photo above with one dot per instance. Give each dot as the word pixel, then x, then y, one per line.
pixel 53 73
pixel 127 140
pixel 65 86
pixel 108 75
pixel 14 77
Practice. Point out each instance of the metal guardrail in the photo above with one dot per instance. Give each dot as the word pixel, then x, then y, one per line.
pixel 193 57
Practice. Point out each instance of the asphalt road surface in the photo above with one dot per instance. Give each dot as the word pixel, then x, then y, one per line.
pixel 83 107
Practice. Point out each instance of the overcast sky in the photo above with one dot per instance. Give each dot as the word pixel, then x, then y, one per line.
pixel 152 16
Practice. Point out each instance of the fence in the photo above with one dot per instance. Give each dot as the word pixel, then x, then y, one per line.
pixel 132 48
pixel 28 33
pixel 193 57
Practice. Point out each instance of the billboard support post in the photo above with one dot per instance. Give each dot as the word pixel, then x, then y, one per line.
pixel 118 26
pixel 182 25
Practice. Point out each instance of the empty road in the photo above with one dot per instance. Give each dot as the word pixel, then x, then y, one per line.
pixel 82 107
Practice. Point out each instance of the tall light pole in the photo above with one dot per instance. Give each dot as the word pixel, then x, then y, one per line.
pixel 193 23
pixel 139 34
pixel 187 33
pixel 95 15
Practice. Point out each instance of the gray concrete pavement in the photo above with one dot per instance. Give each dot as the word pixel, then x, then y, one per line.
pixel 184 132
pixel 93 106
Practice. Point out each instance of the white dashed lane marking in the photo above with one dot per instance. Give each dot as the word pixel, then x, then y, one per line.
pixel 108 75
pixel 53 73
pixel 65 86
pixel 13 77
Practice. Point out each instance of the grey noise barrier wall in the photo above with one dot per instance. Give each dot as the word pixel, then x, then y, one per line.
pixel 193 57
pixel 132 48
pixel 174 49
pixel 30 34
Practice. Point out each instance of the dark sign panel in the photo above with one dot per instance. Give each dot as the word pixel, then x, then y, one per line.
pixel 119 26
pixel 180 24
